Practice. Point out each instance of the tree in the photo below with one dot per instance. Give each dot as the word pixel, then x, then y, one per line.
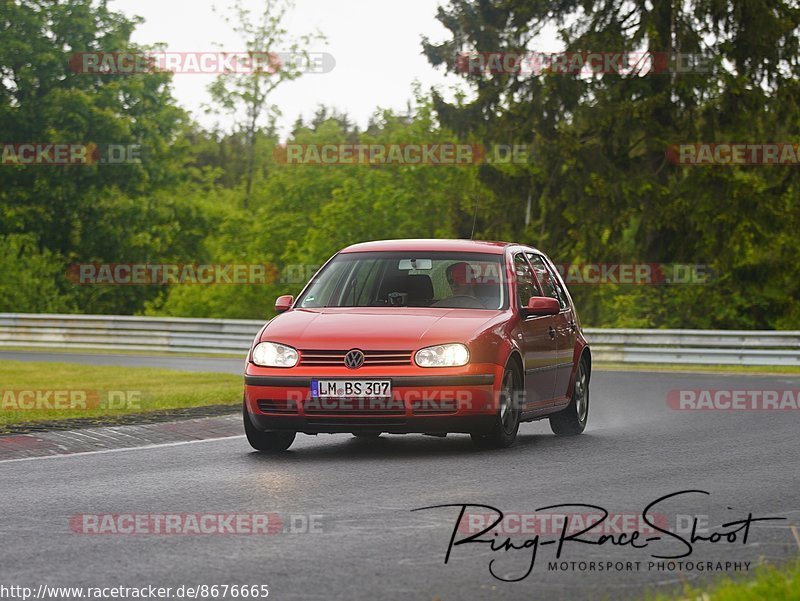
pixel 88 212
pixel 602 186
pixel 275 58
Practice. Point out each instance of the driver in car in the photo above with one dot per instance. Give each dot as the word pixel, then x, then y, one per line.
pixel 459 276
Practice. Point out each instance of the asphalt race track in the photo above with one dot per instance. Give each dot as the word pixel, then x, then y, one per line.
pixel 358 496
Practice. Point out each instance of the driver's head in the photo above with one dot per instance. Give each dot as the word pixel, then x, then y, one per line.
pixel 458 276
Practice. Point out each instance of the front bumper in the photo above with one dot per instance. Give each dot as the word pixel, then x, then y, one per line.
pixel 427 401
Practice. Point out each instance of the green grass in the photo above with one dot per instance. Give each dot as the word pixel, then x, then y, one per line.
pixel 767 583
pixel 699 369
pixel 140 389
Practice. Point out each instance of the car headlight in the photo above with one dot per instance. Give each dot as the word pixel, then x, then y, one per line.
pixel 442 355
pixel 270 354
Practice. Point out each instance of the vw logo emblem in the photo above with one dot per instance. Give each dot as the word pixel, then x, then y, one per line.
pixel 354 359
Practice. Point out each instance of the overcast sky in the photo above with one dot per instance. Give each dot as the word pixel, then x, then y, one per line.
pixel 376 45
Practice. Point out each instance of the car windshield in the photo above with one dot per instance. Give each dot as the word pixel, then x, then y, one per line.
pixel 413 279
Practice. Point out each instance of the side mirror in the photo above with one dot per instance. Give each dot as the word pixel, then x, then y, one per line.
pixel 542 305
pixel 284 303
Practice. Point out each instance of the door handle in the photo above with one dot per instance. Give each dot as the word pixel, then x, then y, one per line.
pixel 552 332
pixel 573 326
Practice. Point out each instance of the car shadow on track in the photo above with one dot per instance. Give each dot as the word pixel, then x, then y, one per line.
pixel 415 446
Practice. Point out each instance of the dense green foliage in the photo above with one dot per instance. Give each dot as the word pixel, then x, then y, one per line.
pixel 600 186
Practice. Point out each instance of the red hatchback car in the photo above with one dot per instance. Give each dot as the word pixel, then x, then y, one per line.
pixel 425 336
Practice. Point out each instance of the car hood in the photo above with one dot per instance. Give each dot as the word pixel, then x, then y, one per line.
pixel 377 328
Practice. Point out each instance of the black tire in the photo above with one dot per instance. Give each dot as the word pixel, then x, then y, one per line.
pixel 572 420
pixel 368 435
pixel 504 431
pixel 266 442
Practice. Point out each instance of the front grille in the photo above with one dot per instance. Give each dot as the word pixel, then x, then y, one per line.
pixel 277 406
pixel 371 358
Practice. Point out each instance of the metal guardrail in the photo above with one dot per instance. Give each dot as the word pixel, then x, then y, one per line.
pixel 233 336
pixel 126 333
pixel 699 347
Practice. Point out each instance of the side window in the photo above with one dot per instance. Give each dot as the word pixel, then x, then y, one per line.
pixel 562 295
pixel 549 284
pixel 526 285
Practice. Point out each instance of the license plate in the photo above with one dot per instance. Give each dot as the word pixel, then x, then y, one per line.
pixel 354 389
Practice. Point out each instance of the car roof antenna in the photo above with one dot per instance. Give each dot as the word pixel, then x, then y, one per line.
pixel 474 218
